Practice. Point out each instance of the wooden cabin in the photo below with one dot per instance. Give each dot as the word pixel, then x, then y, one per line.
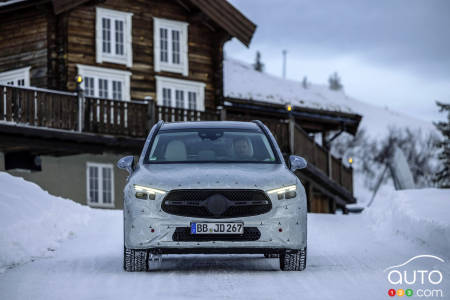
pixel 140 62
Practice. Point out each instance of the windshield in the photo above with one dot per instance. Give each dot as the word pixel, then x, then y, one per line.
pixel 210 145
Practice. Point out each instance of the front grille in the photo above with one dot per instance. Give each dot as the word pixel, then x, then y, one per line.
pixel 216 204
pixel 183 234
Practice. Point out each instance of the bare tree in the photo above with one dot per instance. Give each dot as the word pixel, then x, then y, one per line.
pixel 371 155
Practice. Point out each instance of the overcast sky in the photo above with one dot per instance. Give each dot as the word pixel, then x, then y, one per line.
pixel 393 53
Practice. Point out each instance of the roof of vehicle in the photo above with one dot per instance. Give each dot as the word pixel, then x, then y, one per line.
pixel 210 124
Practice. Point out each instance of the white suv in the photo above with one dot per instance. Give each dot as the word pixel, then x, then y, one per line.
pixel 213 187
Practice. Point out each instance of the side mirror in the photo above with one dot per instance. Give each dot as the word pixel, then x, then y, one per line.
pixel 126 163
pixel 297 162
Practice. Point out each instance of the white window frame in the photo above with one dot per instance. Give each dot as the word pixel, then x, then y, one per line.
pixel 16 75
pixel 180 84
pixel 127 57
pixel 100 202
pixel 182 27
pixel 109 74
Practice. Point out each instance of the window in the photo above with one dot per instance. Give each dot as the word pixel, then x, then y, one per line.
pixel 19 77
pixel 206 145
pixel 166 96
pixel 103 88
pixel 180 93
pixel 170 46
pixel 192 100
pixel 105 83
pixel 113 35
pixel 117 90
pixel 179 98
pixel 89 86
pixel 100 184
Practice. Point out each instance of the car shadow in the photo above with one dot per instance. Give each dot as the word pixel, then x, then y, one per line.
pixel 218 263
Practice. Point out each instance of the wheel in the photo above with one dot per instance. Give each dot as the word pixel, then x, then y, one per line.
pixel 271 255
pixel 135 260
pixel 293 260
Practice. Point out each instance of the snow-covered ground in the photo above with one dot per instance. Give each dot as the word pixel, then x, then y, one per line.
pixel 347 253
pixel 33 222
pixel 422 216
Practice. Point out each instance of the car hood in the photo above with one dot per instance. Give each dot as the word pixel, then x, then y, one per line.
pixel 215 176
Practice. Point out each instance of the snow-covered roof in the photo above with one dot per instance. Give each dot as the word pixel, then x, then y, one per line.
pixel 10 2
pixel 241 81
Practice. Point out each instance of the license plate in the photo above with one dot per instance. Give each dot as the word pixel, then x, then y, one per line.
pixel 217 228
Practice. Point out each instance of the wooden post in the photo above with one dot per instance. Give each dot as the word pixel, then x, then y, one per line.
pixel 332 204
pixel 329 164
pixel 324 140
pixel 291 134
pixel 151 114
pixel 309 196
pixel 223 113
pixel 3 104
pixel 80 108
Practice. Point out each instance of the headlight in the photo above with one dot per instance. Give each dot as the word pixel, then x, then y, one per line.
pixel 144 193
pixel 286 192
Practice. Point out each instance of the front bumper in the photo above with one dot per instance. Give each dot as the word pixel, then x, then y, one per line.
pixel 147 227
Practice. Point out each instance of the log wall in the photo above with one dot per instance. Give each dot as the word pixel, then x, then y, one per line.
pixel 203 47
pixel 25 43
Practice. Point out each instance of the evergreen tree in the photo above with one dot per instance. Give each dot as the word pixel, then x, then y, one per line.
pixel 334 82
pixel 305 82
pixel 443 176
pixel 258 65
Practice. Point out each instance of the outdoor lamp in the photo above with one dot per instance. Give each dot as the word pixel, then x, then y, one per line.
pixel 79 79
pixel 289 107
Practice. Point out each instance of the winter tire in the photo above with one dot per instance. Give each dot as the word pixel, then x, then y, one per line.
pixel 135 260
pixel 293 260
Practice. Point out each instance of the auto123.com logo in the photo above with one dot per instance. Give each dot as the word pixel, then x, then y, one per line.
pixel 413 279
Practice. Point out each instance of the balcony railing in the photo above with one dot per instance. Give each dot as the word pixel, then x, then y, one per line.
pixel 322 159
pixel 67 111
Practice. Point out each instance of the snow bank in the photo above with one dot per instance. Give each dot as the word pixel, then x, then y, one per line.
pixel 243 82
pixel 419 215
pixel 32 221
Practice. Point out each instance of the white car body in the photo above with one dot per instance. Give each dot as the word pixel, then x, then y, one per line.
pixel 149 225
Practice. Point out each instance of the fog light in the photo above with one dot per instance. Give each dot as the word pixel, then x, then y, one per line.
pixel 141 195
pixel 290 194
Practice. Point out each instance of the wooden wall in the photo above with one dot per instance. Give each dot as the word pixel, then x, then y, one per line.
pixel 23 43
pixel 204 46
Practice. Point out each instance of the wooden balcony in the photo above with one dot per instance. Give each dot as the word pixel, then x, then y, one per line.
pixel 39 113
pixel 67 111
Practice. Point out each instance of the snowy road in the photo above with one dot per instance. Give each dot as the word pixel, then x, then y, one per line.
pixel 346 261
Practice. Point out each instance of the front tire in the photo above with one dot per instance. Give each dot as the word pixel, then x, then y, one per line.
pixel 293 260
pixel 135 260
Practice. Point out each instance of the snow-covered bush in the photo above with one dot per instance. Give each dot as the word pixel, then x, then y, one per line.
pixel 443 175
